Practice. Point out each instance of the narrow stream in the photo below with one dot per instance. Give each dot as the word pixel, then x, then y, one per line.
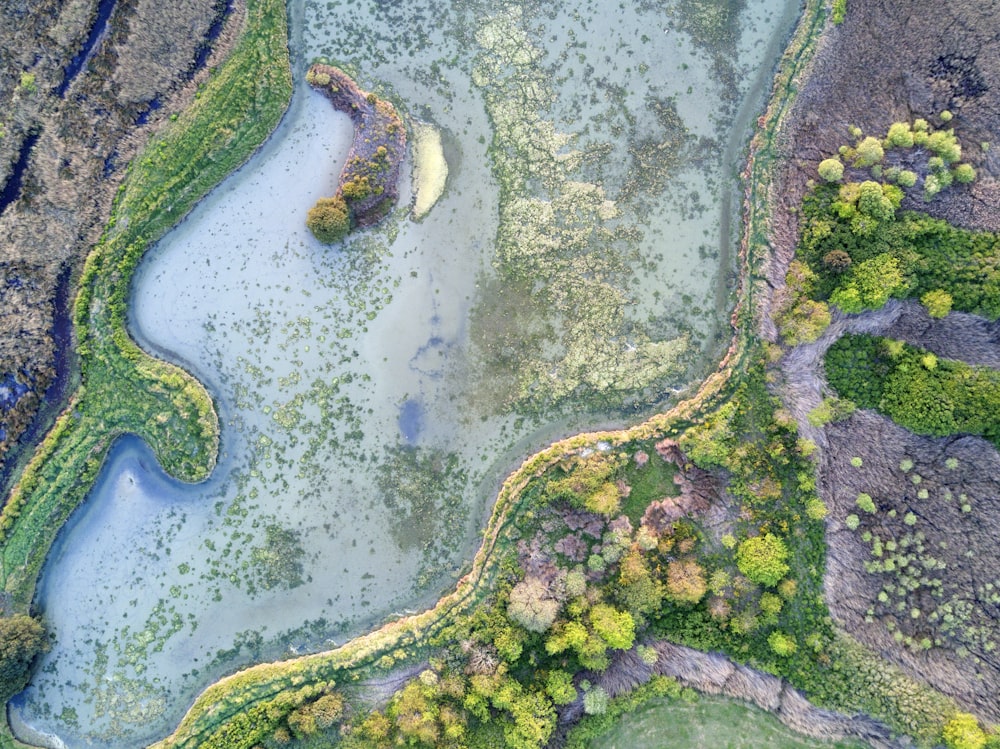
pixel 104 10
pixel 12 188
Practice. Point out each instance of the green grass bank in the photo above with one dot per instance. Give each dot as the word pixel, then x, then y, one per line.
pixel 123 389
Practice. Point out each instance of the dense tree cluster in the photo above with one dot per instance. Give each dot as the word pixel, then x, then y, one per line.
pixel 857 249
pixel 916 389
pixel 22 638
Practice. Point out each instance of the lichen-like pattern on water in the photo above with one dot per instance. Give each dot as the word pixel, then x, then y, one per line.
pixel 373 395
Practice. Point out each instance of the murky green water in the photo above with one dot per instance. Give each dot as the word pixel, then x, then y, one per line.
pixel 576 271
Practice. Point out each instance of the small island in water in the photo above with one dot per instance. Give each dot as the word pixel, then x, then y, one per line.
pixel 367 187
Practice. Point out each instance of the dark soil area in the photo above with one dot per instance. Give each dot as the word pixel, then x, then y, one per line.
pixel 969 338
pixel 933 609
pixel 89 82
pixel 938 502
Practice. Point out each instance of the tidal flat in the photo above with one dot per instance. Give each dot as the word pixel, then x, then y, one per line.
pixel 574 273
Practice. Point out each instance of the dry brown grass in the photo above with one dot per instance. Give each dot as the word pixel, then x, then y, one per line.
pixel 78 162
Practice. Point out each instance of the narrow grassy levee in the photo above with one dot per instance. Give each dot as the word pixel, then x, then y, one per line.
pixel 123 389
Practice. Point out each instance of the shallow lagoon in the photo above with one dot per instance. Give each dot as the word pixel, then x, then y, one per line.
pixel 368 412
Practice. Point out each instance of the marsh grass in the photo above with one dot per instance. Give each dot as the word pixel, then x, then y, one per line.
pixel 124 390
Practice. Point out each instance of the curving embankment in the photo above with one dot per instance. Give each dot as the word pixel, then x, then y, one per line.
pixel 123 389
pixel 368 186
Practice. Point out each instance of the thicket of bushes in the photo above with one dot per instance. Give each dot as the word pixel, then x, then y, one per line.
pixel 857 249
pixel 915 388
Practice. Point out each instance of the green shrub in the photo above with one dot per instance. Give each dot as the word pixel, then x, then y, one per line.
pixel 329 220
pixel 963 732
pixel 921 392
pixel 906 178
pixel 27 83
pixel 868 152
pixel 866 503
pixel 831 170
pixel 900 135
pixel 763 559
pixel 964 174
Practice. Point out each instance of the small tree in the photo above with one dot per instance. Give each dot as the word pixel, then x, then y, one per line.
pixel 595 701
pixel 831 170
pixel 877 279
pixel 782 644
pixel 531 605
pixel 837 260
pixel 686 581
pixel 945 144
pixel 329 220
pixel 872 201
pixel 938 303
pixel 21 639
pixel 616 628
pixel 763 559
pixel 559 686
pixel 906 178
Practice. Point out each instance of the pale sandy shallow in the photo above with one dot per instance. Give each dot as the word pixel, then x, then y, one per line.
pixel 430 168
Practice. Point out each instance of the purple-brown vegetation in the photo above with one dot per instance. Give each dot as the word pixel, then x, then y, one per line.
pixel 368 183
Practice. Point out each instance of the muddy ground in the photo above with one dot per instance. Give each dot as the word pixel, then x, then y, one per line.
pixel 70 121
pixel 955 567
pixel 897 60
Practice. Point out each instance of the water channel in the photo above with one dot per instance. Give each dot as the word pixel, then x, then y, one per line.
pixel 576 272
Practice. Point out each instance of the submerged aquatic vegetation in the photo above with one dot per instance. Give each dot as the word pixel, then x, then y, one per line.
pixel 422 489
pixel 561 238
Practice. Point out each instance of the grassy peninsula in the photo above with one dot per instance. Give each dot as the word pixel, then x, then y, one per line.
pixel 123 389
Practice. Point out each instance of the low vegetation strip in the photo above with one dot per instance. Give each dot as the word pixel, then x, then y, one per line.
pixel 124 389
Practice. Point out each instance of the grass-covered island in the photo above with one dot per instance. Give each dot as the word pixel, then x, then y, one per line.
pixel 368 184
